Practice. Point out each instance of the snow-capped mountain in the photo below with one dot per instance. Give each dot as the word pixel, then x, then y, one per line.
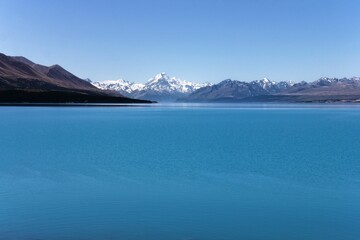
pixel 322 90
pixel 272 86
pixel 165 88
pixel 122 86
pixel 163 83
pixel 326 81
pixel 234 90
pixel 159 88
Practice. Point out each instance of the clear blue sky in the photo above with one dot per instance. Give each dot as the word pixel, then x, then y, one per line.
pixel 196 40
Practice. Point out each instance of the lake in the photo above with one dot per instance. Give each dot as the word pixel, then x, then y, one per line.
pixel 187 172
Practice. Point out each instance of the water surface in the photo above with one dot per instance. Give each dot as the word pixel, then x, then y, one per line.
pixel 180 172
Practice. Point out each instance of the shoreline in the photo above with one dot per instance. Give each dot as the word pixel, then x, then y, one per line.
pixel 240 105
pixel 73 104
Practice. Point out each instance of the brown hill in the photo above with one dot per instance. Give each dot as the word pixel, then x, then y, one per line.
pixel 23 80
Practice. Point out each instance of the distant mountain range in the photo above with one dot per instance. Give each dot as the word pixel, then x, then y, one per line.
pixel 21 80
pixel 159 88
pixel 322 90
pixel 236 90
pixel 163 88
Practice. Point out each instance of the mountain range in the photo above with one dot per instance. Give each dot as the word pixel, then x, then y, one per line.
pixel 22 80
pixel 159 88
pixel 164 88
pixel 236 90
pixel 322 90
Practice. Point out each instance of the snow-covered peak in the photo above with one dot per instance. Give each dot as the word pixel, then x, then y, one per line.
pixel 163 83
pixel 159 76
pixel 120 80
pixel 120 85
pixel 265 83
pixel 114 82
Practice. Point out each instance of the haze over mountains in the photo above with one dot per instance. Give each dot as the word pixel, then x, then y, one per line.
pixel 22 80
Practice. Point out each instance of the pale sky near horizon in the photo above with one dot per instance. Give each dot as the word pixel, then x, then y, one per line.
pixel 196 40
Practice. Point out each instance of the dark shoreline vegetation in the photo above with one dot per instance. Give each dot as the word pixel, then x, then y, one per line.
pixel 70 104
pixel 18 96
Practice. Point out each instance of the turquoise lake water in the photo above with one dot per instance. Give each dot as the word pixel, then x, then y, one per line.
pixel 187 172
